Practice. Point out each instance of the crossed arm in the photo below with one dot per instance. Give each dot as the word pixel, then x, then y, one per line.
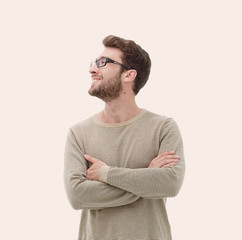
pixel 85 189
pixel 86 194
pixel 165 159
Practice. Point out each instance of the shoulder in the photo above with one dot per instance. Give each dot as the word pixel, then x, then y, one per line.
pixel 154 117
pixel 83 125
pixel 163 121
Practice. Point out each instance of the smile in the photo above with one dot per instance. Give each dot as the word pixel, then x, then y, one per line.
pixel 95 81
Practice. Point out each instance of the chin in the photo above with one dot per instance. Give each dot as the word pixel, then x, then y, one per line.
pixel 90 91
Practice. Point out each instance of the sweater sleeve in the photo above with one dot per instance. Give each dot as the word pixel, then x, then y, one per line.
pixel 154 183
pixel 83 193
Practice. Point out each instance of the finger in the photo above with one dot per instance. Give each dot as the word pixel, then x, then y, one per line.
pixel 167 161
pixel 170 164
pixel 89 175
pixel 168 157
pixel 166 153
pixel 171 157
pixel 90 158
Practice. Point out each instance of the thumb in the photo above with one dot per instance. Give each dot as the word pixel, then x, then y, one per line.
pixel 89 158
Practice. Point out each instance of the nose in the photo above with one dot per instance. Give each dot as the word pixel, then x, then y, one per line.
pixel 93 68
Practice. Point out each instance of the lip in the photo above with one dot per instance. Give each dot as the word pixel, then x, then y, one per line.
pixel 96 78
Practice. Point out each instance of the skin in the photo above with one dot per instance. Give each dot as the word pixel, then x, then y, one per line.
pixel 115 89
pixel 107 90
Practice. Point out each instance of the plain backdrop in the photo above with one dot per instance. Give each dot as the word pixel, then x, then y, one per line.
pixel 45 51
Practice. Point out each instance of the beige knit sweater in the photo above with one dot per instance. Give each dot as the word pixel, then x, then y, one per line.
pixel 131 204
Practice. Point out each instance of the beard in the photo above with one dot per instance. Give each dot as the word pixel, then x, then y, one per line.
pixel 109 90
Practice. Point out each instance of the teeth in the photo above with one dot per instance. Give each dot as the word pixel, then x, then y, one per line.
pixel 94 80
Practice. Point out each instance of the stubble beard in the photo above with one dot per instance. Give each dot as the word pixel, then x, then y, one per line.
pixel 109 90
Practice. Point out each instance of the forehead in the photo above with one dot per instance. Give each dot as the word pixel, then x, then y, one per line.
pixel 113 53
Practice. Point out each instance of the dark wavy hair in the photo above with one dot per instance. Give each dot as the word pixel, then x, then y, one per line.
pixel 133 56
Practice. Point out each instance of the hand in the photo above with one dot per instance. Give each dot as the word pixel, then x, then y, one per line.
pixel 165 159
pixel 93 171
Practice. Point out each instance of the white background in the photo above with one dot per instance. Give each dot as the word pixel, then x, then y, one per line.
pixel 45 50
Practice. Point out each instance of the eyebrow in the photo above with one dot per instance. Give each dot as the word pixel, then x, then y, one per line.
pixel 103 57
pixel 109 58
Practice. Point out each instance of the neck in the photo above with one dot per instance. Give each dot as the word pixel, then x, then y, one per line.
pixel 119 110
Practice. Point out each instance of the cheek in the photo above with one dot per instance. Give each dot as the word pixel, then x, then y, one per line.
pixel 109 71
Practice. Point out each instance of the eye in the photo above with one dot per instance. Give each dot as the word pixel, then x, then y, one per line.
pixel 102 62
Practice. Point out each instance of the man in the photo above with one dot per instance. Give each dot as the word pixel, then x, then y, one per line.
pixel 122 163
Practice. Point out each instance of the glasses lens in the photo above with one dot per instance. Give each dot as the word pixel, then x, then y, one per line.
pixel 101 62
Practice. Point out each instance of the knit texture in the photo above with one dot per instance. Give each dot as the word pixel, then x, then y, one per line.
pixel 129 201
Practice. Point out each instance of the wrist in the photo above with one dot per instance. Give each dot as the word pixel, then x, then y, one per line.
pixel 103 173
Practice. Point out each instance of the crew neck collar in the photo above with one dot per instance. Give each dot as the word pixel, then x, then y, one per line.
pixel 101 123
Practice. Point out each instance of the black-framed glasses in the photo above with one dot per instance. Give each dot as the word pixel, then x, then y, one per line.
pixel 101 62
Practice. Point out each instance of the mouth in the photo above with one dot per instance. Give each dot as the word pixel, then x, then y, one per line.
pixel 95 80
pixel 95 77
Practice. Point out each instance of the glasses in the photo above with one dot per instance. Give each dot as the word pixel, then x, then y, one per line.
pixel 101 62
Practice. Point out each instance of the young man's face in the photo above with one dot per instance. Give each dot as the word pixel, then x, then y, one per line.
pixel 106 80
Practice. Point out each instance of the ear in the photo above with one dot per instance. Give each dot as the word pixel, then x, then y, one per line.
pixel 130 75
